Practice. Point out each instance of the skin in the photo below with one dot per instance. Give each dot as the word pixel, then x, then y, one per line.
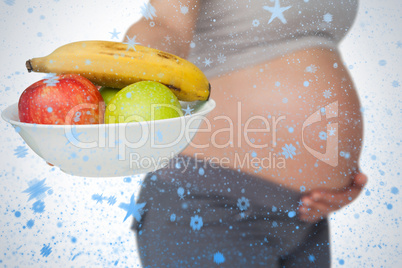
pixel 322 195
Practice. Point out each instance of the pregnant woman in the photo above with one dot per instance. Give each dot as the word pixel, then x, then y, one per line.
pixel 247 191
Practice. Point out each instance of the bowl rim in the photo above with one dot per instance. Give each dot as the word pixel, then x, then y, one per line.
pixel 6 111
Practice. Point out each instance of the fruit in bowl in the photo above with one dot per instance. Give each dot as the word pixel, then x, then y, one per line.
pixel 108 93
pixel 142 101
pixel 68 99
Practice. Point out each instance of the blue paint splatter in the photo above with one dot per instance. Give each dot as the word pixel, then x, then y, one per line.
pixel 306 83
pixel 196 223
pixel 73 239
pixel 291 214
pixel 369 211
pixel 201 171
pixel 38 206
pixel 21 151
pixel 395 83
pixel 133 209
pixel 85 158
pixel 36 189
pixel 30 224
pixel 394 190
pixel 311 258
pixel 46 250
pixel 49 109
pixel 389 206
pixel 323 135
pixel 219 258
pixel 9 2
pixel 173 217
pixel 159 135
pixel 17 214
pixel 98 198
pixel 368 192
pixel 341 262
pixel 382 62
pixel 127 179
pixel 290 129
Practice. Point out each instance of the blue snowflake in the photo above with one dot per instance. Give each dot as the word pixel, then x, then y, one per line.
pixel 196 222
pixel 98 198
pixel 219 258
pixel 243 203
pixel 311 258
pixel 289 151
pixel 114 34
pixel 131 43
pixel 207 62
pixel 327 17
pixel 184 10
pixel 327 94
pixel 36 189
pixel 311 69
pixel 148 11
pixel 323 135
pixel 332 131
pixel 133 209
pixel 46 250
pixel 21 151
pixel 38 206
pixel 277 12
pixel 221 58
pixel 188 110
pixel 51 79
pixel 111 200
pixel 256 23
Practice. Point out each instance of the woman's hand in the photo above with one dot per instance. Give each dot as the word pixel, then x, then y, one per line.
pixel 317 204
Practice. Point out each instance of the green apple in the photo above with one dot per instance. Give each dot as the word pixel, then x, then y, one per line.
pixel 108 93
pixel 142 101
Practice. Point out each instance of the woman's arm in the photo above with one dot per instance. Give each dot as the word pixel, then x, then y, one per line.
pixel 170 30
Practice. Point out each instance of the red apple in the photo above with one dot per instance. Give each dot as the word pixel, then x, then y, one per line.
pixel 67 99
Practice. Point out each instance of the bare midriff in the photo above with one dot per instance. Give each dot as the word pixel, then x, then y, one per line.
pixel 259 123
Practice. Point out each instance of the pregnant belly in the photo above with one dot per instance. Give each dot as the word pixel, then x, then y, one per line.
pixel 294 121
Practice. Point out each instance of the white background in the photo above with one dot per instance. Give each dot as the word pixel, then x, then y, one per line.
pixel 365 234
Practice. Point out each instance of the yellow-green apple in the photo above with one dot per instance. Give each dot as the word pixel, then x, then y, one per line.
pixel 142 101
pixel 67 99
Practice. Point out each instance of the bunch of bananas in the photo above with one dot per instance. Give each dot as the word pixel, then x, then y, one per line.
pixel 114 64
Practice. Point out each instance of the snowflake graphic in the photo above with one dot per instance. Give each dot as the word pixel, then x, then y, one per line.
pixel 327 94
pixel 114 34
pixel 332 131
pixel 327 17
pixel 38 206
pixel 221 58
pixel 196 222
pixel 180 193
pixel 46 250
pixel 37 189
pixel 184 10
pixel 148 11
pixel 289 151
pixel 51 79
pixel 111 200
pixel 133 209
pixel 256 23
pixel 131 43
pixel 207 62
pixel 188 110
pixel 167 38
pixel 323 135
pixel 243 203
pixel 311 69
pixel 311 258
pixel 98 198
pixel 21 151
pixel 219 258
pixel 302 188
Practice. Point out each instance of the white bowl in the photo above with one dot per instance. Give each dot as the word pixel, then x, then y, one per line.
pixel 110 150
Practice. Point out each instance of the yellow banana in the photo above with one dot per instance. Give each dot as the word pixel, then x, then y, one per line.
pixel 115 64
